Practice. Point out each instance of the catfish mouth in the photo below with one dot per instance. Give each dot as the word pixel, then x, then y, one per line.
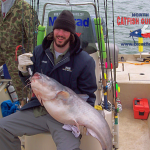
pixel 36 76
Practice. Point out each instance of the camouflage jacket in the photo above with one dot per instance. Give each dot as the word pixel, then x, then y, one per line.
pixel 17 28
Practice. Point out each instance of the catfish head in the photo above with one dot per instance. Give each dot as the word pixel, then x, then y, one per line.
pixel 45 88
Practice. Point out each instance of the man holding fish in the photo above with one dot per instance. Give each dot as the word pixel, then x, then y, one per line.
pixel 60 58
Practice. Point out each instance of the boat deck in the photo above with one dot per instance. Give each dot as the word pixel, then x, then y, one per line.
pixel 134 72
pixel 133 133
pixel 133 77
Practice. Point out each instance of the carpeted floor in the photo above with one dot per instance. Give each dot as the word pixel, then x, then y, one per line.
pixel 133 133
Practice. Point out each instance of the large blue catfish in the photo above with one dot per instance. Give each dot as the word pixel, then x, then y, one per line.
pixel 67 107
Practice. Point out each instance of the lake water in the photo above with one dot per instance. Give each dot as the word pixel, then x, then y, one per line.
pixel 122 9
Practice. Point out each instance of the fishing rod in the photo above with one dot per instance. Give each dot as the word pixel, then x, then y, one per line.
pixel 114 87
pixel 104 69
pixel 116 126
pixel 108 52
pixel 111 65
pixel 114 55
pixel 103 56
pixel 106 65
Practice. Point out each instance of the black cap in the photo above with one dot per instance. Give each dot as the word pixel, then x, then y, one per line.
pixel 65 21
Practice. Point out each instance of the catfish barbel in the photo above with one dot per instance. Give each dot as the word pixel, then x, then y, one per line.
pixel 65 106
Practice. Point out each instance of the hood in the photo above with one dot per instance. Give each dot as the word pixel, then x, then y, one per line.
pixel 74 48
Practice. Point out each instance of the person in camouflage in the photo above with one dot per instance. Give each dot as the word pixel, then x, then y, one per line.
pixel 17 27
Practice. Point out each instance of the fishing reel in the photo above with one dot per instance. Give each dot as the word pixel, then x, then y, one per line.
pixel 119 106
pixel 109 106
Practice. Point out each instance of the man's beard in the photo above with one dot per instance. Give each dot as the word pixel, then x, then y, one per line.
pixel 61 45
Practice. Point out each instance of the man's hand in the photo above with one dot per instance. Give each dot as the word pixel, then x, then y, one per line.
pixel 83 130
pixel 24 61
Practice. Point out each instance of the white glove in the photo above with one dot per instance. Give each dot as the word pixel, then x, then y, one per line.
pixel 24 61
pixel 82 129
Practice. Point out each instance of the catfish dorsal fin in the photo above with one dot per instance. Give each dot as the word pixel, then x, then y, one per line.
pixel 83 96
pixel 63 95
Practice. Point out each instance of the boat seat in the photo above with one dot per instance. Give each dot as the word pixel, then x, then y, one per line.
pixel 44 140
